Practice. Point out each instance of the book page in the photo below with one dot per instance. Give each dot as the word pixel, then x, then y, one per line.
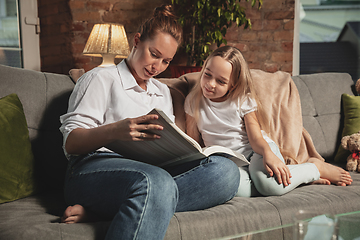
pixel 165 120
pixel 236 157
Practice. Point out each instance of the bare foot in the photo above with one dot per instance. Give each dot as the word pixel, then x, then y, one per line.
pixel 77 213
pixel 322 181
pixel 334 174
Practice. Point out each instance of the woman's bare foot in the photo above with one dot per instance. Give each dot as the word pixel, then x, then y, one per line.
pixel 77 213
pixel 334 174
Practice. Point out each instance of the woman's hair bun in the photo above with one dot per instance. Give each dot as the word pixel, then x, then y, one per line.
pixel 163 20
pixel 164 11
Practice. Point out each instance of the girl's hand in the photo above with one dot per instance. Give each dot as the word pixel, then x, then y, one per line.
pixel 276 168
pixel 137 129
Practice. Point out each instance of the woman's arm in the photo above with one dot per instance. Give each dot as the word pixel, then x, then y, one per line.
pixel 82 141
pixel 272 163
pixel 192 130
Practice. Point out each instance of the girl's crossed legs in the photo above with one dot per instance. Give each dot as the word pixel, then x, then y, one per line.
pixel 255 181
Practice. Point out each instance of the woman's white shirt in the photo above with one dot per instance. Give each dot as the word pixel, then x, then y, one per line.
pixel 106 95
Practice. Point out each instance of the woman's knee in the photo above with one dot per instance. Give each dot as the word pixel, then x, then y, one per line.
pixel 225 171
pixel 160 182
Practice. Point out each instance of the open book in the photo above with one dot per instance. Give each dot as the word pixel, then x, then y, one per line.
pixel 174 147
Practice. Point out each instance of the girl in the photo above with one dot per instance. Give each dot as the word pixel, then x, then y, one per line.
pixel 110 104
pixel 223 109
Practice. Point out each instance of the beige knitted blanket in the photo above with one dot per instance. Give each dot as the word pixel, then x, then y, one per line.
pixel 281 102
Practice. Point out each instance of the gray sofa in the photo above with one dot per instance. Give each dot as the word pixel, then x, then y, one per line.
pixel 45 96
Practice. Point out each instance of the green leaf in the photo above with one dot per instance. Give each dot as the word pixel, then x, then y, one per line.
pixel 206 48
pixel 253 2
pixel 211 18
pixel 188 48
pixel 249 23
pixel 218 35
pixel 228 16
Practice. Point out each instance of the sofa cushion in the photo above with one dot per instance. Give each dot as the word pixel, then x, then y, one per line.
pixel 16 158
pixel 351 107
pixel 44 97
pixel 38 217
pixel 320 96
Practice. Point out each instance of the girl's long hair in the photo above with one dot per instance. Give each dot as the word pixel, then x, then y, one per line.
pixel 241 81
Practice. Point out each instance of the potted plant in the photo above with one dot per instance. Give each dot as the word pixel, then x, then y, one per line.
pixel 205 23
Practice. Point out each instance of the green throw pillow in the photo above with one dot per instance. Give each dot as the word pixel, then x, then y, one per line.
pixel 16 158
pixel 351 106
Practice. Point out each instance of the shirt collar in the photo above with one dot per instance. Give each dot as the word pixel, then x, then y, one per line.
pixel 128 81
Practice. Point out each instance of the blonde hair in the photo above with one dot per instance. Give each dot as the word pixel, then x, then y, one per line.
pixel 241 83
pixel 163 20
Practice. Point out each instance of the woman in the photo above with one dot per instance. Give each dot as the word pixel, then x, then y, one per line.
pixel 111 104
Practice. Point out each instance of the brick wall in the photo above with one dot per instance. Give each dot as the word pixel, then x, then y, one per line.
pixel 66 25
pixel 55 36
pixel 269 44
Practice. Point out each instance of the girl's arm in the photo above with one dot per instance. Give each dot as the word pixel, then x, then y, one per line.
pixel 192 130
pixel 82 141
pixel 272 163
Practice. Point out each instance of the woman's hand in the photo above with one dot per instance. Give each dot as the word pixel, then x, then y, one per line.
pixel 82 141
pixel 137 129
pixel 276 168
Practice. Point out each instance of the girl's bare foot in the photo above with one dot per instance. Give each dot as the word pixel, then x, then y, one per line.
pixel 322 181
pixel 77 213
pixel 334 174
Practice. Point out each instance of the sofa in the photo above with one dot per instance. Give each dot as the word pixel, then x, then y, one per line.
pixel 44 97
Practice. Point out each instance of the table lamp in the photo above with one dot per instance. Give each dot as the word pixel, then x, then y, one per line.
pixel 107 40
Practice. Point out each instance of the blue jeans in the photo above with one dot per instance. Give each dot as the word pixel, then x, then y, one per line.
pixel 139 198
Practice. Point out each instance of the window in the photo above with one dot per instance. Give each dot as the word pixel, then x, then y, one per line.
pixel 329 36
pixel 19 34
pixel 323 21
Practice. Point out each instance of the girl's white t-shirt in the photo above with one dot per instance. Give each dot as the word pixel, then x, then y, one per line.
pixel 222 123
pixel 106 95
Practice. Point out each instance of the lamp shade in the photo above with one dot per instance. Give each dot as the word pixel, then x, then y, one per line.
pixel 107 39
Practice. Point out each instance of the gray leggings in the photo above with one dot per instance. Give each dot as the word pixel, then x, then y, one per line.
pixel 255 181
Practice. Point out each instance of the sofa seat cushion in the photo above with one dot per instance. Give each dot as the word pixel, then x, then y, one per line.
pixel 38 217
pixel 16 158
